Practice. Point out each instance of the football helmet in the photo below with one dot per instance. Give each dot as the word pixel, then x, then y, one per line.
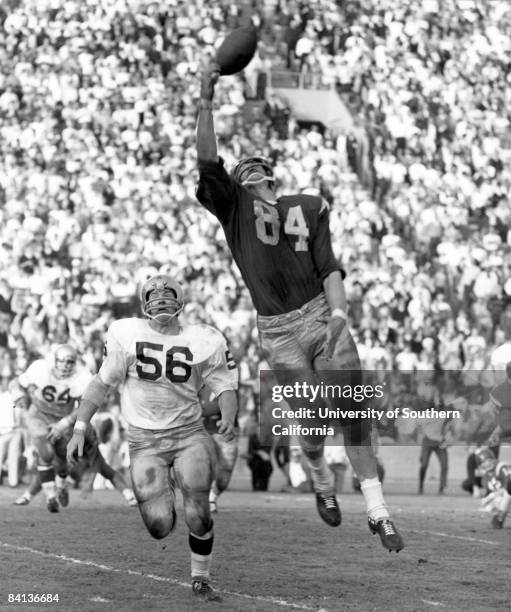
pixel 65 361
pixel 162 298
pixel 485 459
pixel 248 171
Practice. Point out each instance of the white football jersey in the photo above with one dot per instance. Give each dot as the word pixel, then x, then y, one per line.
pixel 499 359
pixel 160 375
pixel 52 395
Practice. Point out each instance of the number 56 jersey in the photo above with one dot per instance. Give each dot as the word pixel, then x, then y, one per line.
pixel 160 375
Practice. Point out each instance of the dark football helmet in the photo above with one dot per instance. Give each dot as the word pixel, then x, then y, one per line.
pixel 162 298
pixel 485 459
pixel 65 359
pixel 248 171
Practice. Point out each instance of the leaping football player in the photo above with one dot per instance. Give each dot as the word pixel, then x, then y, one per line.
pixel 52 389
pixel 160 367
pixel 226 450
pixel 282 247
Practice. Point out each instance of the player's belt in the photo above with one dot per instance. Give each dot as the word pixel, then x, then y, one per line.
pixel 317 303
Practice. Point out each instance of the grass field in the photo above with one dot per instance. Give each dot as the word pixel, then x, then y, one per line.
pixel 272 553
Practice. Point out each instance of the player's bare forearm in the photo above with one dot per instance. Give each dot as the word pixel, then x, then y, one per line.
pixel 206 138
pixel 495 436
pixel 336 298
pixel 228 403
pixel 334 290
pixel 95 395
pixel 209 409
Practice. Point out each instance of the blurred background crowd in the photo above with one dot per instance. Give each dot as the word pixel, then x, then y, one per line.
pixel 98 170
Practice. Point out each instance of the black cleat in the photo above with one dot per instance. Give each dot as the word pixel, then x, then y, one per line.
pixel 389 536
pixel 63 495
pixel 497 521
pixel 201 588
pixel 328 509
pixel 52 504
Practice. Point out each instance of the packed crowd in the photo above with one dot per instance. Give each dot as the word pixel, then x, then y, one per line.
pixel 98 169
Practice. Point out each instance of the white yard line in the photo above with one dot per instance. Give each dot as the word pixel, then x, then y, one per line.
pixel 108 568
pixel 437 604
pixel 455 537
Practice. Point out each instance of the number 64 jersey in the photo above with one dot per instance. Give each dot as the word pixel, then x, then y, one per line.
pixel 160 375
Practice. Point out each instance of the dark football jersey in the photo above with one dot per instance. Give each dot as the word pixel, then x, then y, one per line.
pixel 283 251
pixel 501 397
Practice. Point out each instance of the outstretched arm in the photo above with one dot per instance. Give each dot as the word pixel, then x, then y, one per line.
pixel 206 139
pixel 228 403
pixel 95 394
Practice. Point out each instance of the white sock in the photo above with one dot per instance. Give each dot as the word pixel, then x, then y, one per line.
pixel 373 495
pixel 212 495
pixel 322 477
pixel 200 563
pixel 60 482
pixel 49 489
pixel 128 494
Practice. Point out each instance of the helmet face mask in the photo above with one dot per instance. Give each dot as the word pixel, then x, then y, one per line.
pixel 486 460
pixel 162 298
pixel 65 361
pixel 253 171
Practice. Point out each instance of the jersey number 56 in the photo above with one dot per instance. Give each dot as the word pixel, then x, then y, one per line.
pixel 176 371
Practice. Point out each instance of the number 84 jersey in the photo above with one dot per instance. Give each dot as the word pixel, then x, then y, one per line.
pixel 160 375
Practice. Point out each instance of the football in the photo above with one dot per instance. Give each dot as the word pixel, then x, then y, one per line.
pixel 236 50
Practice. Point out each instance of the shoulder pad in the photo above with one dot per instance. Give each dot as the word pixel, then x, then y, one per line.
pixel 124 328
pixel 203 341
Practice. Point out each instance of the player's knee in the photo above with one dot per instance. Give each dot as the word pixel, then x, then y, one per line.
pixel 198 518
pixel 45 452
pixel 158 525
pixel 312 447
pixel 222 479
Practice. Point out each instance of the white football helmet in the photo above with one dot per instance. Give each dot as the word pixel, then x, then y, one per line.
pixel 65 361
pixel 162 298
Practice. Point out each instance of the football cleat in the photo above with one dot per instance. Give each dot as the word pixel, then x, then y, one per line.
pixel 201 588
pixel 52 504
pixel 21 501
pixel 389 536
pixel 328 509
pixel 63 496
pixel 497 521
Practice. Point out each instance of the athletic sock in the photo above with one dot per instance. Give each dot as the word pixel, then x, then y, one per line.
pixel 201 548
pixel 213 495
pixel 47 475
pixel 322 477
pixel 373 495
pixel 60 482
pixel 128 494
